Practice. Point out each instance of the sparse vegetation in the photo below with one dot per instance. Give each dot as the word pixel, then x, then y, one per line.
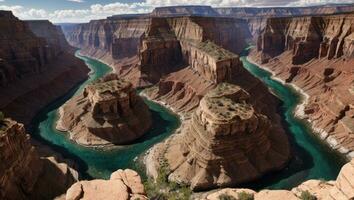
pixel 215 51
pixel 226 197
pixel 306 195
pixel 245 196
pixel 162 189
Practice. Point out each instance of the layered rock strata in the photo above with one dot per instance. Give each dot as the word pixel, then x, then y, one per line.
pixel 123 185
pixel 52 34
pixel 34 65
pixel 316 55
pixel 340 189
pixel 147 38
pixel 107 112
pixel 284 11
pixel 225 143
pixel 26 175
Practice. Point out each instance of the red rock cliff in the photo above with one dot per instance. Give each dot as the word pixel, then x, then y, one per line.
pixel 35 61
pixel 26 175
pixel 316 54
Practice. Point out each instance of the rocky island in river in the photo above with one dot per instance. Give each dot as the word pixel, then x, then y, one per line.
pixel 108 111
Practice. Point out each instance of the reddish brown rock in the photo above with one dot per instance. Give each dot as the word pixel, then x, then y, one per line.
pixel 325 74
pixel 26 175
pixel 123 185
pixel 225 143
pixel 34 65
pixel 341 189
pixel 107 112
pixel 156 49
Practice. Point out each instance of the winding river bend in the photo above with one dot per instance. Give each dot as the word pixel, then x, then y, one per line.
pixel 312 159
pixel 98 163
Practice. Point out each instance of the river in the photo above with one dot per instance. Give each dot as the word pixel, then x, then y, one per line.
pixel 312 159
pixel 99 163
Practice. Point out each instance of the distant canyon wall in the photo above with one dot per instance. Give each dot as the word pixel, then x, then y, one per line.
pixel 316 54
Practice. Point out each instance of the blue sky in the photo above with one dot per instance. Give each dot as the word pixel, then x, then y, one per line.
pixel 85 10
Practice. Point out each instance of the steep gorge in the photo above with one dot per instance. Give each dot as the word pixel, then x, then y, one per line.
pixel 316 55
pixel 184 58
pixel 35 61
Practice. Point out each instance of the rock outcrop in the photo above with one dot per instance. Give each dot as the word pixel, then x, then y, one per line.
pixel 341 189
pixel 316 55
pixel 146 38
pixel 34 61
pixel 107 112
pixel 123 185
pixel 26 175
pixel 225 143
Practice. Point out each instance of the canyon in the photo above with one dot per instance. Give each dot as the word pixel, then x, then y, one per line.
pixel 107 112
pixel 316 55
pixel 39 63
pixel 187 59
pixel 35 61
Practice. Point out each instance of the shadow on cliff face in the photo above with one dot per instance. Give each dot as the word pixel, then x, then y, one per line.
pixel 34 130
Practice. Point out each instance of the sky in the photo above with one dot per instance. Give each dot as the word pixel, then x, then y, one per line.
pixel 61 11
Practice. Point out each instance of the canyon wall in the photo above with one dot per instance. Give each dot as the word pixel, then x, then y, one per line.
pixel 316 55
pixel 35 61
pixel 131 46
pixel 284 11
pixel 24 173
pixel 245 12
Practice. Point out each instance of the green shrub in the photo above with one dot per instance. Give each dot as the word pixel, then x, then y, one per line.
pixel 306 195
pixel 162 189
pixel 226 197
pixel 245 196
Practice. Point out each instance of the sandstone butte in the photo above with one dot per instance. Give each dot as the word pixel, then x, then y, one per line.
pixel 225 143
pixel 35 61
pixel 24 173
pixel 107 112
pixel 123 185
pixel 315 54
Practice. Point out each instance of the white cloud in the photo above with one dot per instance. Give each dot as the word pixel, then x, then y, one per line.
pixel 98 11
pixel 77 1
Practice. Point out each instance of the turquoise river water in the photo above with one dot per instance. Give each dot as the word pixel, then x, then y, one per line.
pixel 311 159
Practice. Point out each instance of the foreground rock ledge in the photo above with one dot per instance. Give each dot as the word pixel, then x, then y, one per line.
pixel 341 189
pixel 107 112
pixel 225 143
pixel 23 173
pixel 123 185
